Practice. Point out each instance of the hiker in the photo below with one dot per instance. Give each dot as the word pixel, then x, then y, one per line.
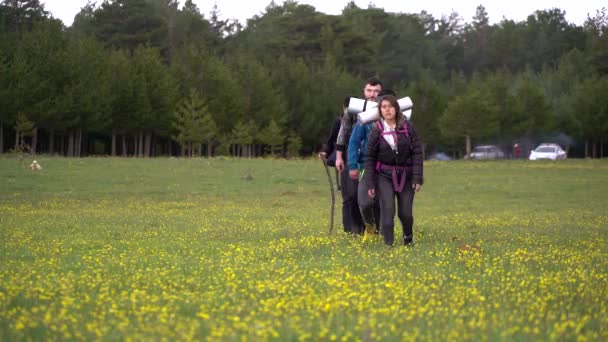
pixel 393 168
pixel 357 149
pixel 351 216
pixel 328 149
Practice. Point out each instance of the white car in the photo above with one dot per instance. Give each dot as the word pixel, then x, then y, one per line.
pixel 548 151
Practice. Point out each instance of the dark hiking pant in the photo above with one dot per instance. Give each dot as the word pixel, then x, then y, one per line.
pixel 351 217
pixel 370 210
pixel 405 201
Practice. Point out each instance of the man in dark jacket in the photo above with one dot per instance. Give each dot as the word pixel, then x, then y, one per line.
pixel 351 216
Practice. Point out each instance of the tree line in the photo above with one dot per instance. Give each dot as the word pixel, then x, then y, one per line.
pixel 156 77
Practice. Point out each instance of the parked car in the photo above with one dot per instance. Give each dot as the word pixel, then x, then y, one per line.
pixel 440 156
pixel 548 151
pixel 486 152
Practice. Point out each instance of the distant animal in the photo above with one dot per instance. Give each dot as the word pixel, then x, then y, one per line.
pixel 35 166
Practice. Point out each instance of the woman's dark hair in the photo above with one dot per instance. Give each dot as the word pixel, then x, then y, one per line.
pixel 393 102
pixel 385 92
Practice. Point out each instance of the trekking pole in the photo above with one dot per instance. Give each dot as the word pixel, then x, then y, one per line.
pixel 333 195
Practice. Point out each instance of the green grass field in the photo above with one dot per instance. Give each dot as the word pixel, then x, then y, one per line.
pixel 182 249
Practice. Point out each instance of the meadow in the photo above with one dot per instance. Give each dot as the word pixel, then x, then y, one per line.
pixel 229 249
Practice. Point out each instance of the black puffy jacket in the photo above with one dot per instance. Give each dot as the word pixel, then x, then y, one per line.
pixel 408 153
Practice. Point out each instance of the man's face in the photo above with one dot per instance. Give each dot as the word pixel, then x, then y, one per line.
pixel 371 91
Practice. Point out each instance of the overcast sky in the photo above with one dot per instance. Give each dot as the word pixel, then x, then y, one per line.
pixel 576 10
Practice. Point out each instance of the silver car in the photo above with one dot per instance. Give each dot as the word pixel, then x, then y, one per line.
pixel 487 152
pixel 548 151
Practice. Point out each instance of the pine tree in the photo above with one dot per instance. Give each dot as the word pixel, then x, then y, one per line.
pixel 272 136
pixel 294 144
pixel 192 123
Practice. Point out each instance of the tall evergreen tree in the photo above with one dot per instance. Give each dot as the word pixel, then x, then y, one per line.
pixel 192 124
pixel 20 15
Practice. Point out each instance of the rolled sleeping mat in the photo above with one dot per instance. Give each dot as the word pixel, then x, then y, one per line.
pixel 356 105
pixel 405 104
pixel 408 114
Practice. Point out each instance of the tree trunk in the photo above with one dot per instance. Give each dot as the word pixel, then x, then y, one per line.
pixel 71 144
pixel 135 140
pixel 140 152
pixel 34 140
pixel 586 148
pixel 51 141
pixel 62 145
pixel 423 151
pixel 79 143
pixel 1 137
pixel 183 150
pixel 468 145
pixel 138 144
pixel 601 148
pixel 124 145
pixel 16 140
pixel 208 148
pixel 113 148
pixel 594 146
pixel 148 144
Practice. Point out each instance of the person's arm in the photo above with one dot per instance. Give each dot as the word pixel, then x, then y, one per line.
pixel 371 158
pixel 345 129
pixel 417 160
pixel 330 144
pixel 354 145
pixel 354 150
pixel 333 135
pixel 340 142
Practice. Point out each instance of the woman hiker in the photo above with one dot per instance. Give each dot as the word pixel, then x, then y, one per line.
pixel 393 169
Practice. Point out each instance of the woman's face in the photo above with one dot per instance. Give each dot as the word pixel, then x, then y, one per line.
pixel 388 111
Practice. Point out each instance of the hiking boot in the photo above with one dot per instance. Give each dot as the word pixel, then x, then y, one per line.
pixel 408 240
pixel 370 229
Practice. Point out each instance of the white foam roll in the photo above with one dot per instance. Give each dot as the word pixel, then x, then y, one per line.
pixel 408 114
pixel 405 103
pixel 356 105
pixel 368 116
